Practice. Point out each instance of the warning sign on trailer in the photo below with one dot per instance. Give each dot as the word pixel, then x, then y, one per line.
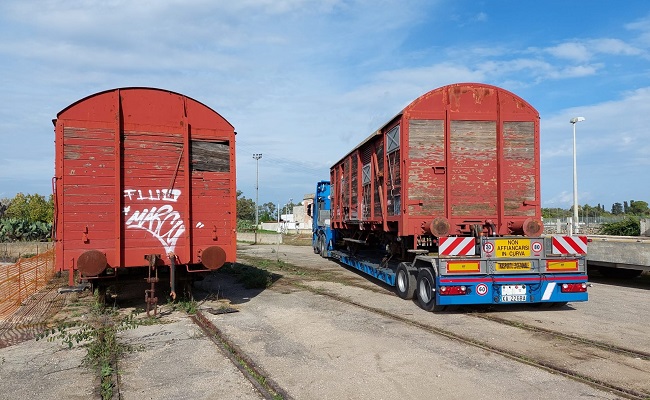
pixel 512 248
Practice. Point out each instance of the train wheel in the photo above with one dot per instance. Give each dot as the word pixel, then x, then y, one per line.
pixel 426 284
pixel 405 281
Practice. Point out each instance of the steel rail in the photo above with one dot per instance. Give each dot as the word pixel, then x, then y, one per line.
pixel 266 386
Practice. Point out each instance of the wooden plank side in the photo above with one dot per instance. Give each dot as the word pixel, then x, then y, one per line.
pixel 88 184
pixel 473 168
pixel 518 168
pixel 153 187
pixel 427 168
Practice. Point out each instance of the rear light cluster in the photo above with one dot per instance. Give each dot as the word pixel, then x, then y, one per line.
pixel 452 290
pixel 574 287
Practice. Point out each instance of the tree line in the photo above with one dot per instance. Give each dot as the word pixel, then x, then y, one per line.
pixel 636 208
pixel 26 217
pixel 268 212
pixel 629 225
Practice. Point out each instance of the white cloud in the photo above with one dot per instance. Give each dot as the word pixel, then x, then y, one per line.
pixel 571 51
pixel 614 46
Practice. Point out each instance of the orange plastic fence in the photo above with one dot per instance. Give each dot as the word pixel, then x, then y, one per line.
pixel 22 279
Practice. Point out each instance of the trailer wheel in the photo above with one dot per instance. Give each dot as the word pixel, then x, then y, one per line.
pixel 323 247
pixel 405 281
pixel 426 284
pixel 316 245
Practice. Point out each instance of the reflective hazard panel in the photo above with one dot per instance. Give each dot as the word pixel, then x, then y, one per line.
pixel 569 244
pixel 566 265
pixel 463 266
pixel 457 246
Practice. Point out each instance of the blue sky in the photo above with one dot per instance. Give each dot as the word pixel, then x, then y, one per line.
pixel 304 81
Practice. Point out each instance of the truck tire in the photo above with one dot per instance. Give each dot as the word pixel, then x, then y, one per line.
pixel 323 247
pixel 426 284
pixel 316 245
pixel 405 281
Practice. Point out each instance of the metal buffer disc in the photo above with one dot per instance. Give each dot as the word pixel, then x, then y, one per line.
pixel 533 227
pixel 92 263
pixel 213 257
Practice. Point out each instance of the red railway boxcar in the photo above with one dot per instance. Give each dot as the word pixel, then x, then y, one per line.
pixel 144 177
pixel 462 159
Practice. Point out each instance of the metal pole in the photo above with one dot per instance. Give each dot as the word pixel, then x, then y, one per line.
pixel 575 183
pixel 575 175
pixel 257 157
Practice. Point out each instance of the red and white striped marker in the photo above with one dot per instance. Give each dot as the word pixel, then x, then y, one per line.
pixel 456 246
pixel 569 245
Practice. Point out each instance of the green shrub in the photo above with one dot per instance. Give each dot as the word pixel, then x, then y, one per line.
pixel 630 226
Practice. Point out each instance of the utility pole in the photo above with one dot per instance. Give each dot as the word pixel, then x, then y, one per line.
pixel 257 157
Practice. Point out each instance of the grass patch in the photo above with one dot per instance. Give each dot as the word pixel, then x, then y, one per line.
pixel 188 306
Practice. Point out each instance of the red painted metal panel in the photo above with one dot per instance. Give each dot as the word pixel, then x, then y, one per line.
pixel 468 160
pixel 128 186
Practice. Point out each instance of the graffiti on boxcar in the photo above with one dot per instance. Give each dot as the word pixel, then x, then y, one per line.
pixel 153 194
pixel 163 222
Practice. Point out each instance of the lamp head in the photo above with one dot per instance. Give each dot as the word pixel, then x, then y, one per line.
pixel 577 119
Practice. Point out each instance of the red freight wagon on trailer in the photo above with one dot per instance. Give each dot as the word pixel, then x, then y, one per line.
pixel 451 187
pixel 459 160
pixel 144 177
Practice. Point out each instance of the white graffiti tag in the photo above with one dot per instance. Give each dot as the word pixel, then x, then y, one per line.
pixel 161 221
pixel 164 223
pixel 153 194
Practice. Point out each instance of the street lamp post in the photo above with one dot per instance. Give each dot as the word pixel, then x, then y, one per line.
pixel 257 157
pixel 573 122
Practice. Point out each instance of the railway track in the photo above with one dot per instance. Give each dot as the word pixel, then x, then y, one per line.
pixel 303 277
pixel 260 379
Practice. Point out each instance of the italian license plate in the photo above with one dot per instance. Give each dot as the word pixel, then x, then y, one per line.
pixel 513 293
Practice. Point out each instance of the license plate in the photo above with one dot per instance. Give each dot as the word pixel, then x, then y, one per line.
pixel 513 298
pixel 513 293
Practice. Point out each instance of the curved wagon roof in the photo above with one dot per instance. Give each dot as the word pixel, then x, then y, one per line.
pixel 462 99
pixel 145 105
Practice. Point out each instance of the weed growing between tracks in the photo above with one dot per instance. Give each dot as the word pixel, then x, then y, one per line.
pixel 188 306
pixel 98 333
